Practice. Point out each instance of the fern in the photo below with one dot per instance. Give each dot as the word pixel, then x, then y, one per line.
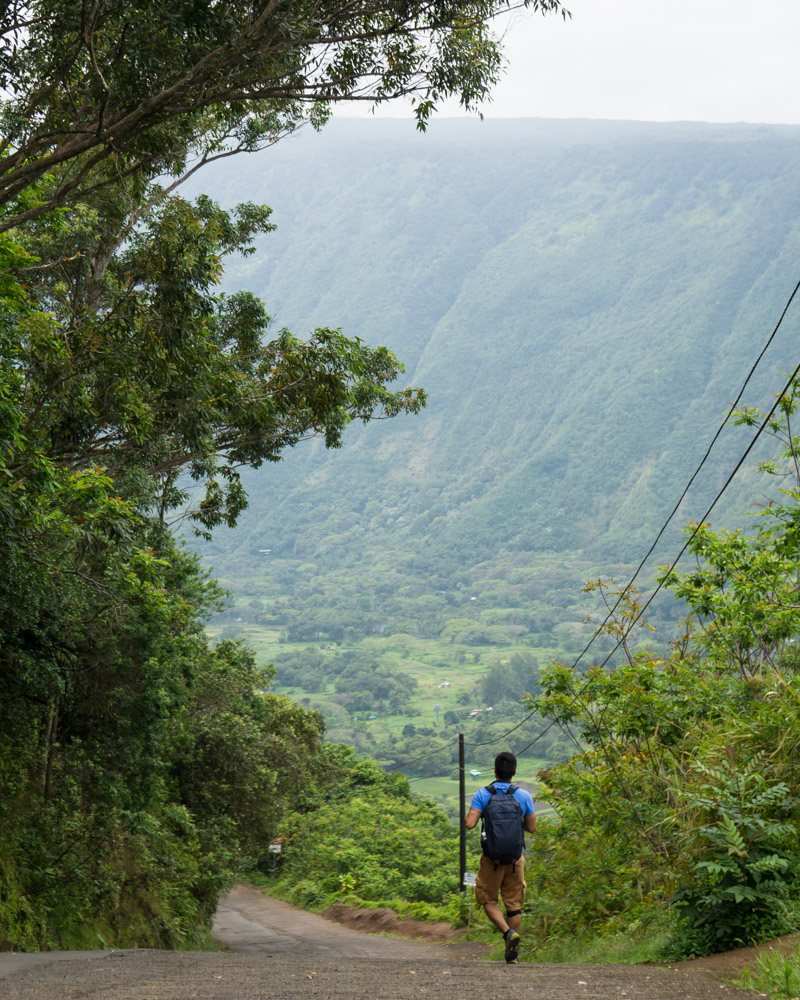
pixel 742 884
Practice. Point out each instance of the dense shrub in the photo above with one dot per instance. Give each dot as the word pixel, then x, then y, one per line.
pixel 370 841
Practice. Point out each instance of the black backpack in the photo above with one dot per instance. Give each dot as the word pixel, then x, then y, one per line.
pixel 502 831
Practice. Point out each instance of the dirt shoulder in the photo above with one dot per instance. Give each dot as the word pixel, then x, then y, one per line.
pixel 386 921
pixel 726 965
pixel 731 964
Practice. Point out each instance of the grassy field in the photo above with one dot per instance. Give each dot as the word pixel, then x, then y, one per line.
pixel 445 790
pixel 432 663
pixel 439 788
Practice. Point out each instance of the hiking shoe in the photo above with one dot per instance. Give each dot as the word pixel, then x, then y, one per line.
pixel 512 946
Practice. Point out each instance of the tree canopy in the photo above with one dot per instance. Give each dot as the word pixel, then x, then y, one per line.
pixel 103 91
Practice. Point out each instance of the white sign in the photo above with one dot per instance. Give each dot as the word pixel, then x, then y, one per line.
pixel 274 848
pixel 470 878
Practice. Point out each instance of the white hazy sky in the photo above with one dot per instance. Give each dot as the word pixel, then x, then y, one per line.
pixel 653 60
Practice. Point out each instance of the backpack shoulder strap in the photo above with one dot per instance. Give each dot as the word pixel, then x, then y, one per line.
pixel 491 789
pixel 511 789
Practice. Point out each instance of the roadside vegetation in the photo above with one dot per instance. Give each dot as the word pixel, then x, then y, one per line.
pixel 365 840
pixel 145 762
pixel 141 766
pixel 775 974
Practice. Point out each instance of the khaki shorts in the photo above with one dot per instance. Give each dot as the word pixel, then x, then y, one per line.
pixel 507 880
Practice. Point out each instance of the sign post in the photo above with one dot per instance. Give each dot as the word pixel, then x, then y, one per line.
pixel 470 879
pixel 274 849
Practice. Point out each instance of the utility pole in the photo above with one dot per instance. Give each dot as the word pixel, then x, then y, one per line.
pixel 463 807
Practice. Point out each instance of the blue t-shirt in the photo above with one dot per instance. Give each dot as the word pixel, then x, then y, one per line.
pixel 482 796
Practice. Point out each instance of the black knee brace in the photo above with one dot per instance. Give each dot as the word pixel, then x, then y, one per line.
pixel 512 913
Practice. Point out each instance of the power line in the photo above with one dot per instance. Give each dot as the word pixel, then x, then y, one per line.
pixel 538 736
pixel 685 546
pixel 431 753
pixel 692 479
pixel 661 583
pixel 497 739
pixel 519 753
pixel 442 774
pixel 485 744
pixel 666 523
pixel 414 760
pixel 649 552
pixel 713 504
pixel 445 746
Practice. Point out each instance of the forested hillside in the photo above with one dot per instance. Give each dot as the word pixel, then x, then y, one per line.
pixel 581 301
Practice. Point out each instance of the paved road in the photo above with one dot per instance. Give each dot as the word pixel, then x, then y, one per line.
pixel 251 923
pixel 282 953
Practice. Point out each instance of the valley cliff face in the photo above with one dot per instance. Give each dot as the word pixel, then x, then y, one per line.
pixel 582 301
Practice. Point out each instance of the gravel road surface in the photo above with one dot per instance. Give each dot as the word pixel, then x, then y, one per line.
pixel 279 952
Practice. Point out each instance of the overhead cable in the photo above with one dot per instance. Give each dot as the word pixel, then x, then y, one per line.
pixel 649 552
pixel 694 475
pixel 685 546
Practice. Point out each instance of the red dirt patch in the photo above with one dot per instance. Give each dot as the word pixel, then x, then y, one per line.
pixel 386 921
pixel 731 964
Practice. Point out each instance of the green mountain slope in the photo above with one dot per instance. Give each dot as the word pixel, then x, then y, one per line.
pixel 582 300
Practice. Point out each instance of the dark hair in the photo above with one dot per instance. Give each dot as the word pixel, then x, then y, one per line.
pixel 505 766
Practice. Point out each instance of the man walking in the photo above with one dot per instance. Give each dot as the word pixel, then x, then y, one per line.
pixel 507 812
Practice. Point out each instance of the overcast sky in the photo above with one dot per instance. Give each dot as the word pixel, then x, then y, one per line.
pixel 654 60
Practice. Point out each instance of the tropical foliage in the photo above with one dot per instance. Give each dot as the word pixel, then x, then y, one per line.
pixel 144 89
pixel 369 842
pixel 118 375
pixel 683 788
pixel 139 764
